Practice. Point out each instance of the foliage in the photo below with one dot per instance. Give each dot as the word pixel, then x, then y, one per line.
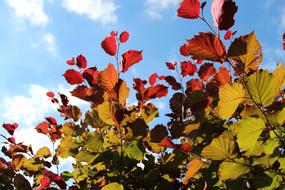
pixel 226 128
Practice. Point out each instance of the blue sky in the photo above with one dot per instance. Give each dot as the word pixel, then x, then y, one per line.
pixel 38 36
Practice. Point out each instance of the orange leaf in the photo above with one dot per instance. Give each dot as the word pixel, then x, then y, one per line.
pixel 206 71
pixel 222 77
pixel 129 58
pixel 205 46
pixel 194 166
pixel 108 78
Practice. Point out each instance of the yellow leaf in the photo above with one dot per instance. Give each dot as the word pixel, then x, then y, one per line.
pixel 231 95
pixel 113 186
pixel 279 77
pixel 246 51
pixel 43 152
pixel 106 112
pixel 18 161
pixel 233 169
pixel 194 166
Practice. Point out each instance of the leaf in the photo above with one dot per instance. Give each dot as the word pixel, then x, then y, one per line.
pixel 109 45
pixel 113 186
pixel 106 112
pixel 74 113
pixel 50 94
pixel 281 117
pixel 189 9
pixel 33 164
pixel 246 51
pixel 206 71
pixel 229 170
pixel 176 102
pixel 138 129
pixel 222 147
pixel 194 84
pixel 71 61
pixel 156 91
pixel 43 128
pixel 85 156
pixel 133 151
pixel 81 61
pixel 231 95
pixel 66 145
pixel 270 145
pixel 130 58
pixel 170 66
pixel 18 161
pixel 167 142
pixel 262 87
pixel 193 168
pixel 149 112
pixel 158 133
pixel 43 152
pixel 108 78
pixel 222 77
pixel 124 36
pixel 90 75
pixel 10 127
pixel 248 132
pixel 172 82
pixel 21 183
pixel 279 77
pixel 188 68
pixel 123 92
pixel 152 79
pixel 205 46
pixel 223 12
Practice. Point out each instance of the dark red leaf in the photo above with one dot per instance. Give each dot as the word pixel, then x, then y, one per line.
pixel 73 77
pixel 223 12
pixel 194 84
pixel 55 178
pixel 172 82
pixel 189 9
pixel 71 61
pixel 185 147
pixel 10 127
pixel 152 79
pixel 170 66
pixel 43 128
pixel 90 75
pixel 206 71
pixel 188 68
pixel 12 140
pixel 129 58
pixel 184 50
pixel 124 36
pixel 51 120
pixel 157 91
pixel 109 45
pixel 167 142
pixel 81 61
pixel 50 94
pixel 113 33
pixel 138 84
pixel 64 99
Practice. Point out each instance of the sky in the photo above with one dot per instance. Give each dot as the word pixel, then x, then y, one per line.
pixel 38 36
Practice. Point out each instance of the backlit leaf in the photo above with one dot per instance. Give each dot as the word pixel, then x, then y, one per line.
pixel 108 78
pixel 43 152
pixel 113 186
pixel 133 151
pixel 106 112
pixel 279 77
pixel 193 168
pixel 73 77
pixel 189 9
pixel 130 58
pixel 233 169
pixel 206 71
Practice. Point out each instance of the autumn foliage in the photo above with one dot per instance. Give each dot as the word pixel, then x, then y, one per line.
pixel 226 128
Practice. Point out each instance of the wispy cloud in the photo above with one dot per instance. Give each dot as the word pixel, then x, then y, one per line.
pixel 154 8
pixel 103 11
pixel 49 43
pixel 30 10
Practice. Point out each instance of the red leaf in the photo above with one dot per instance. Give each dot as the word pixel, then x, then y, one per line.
pixel 206 71
pixel 188 68
pixel 90 75
pixel 51 120
pixel 43 128
pixel 113 33
pixel 12 140
pixel 109 45
pixel 157 91
pixel 284 41
pixel 138 84
pixel 50 94
pixel 108 78
pixel 170 66
pixel 167 142
pixel 229 34
pixel 129 58
pixel 55 178
pixel 205 46
pixel 185 147
pixel 189 9
pixel 71 61
pixel 81 61
pixel 222 77
pixel 44 183
pixel 152 79
pixel 194 84
pixel 73 77
pixel 223 12
pixel 124 36
pixel 172 82
pixel 88 94
pixel 10 127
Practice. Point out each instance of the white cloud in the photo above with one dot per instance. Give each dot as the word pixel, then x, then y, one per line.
pixel 49 42
pixel 154 8
pixel 32 108
pixel 102 11
pixel 31 10
pixel 273 56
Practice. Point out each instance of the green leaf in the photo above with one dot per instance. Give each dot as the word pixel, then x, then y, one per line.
pixel 270 146
pixel 113 186
pixel 106 112
pixel 233 170
pixel 246 50
pixel 282 163
pixel 133 151
pixel 262 88
pixel 43 152
pixel 85 156
pixel 264 161
pixel 94 143
pixel 221 148
pixel 66 144
pixel 248 132
pixel 230 96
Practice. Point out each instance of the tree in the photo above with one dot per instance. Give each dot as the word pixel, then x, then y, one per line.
pixel 225 131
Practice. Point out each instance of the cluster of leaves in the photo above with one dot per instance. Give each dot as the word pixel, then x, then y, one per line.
pixel 226 128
